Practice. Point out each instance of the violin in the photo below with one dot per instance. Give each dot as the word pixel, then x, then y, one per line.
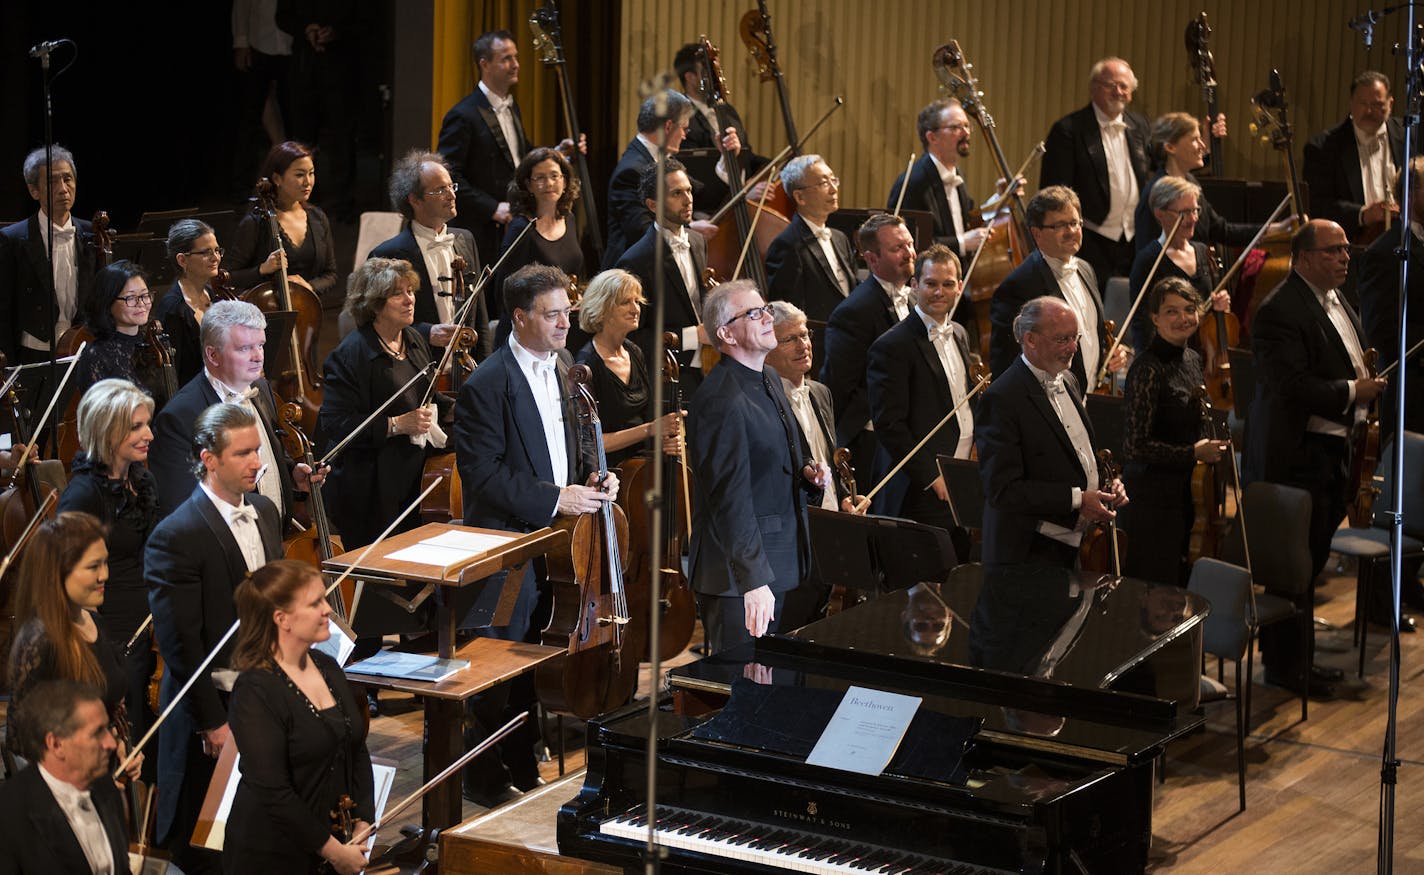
pixel 24 495
pixel 462 361
pixel 675 599
pixel 843 598
pixel 1208 519
pixel 343 824
pixel 299 382
pixel 1364 456
pixel 220 287
pixel 1219 331
pixel 1109 384
pixel 544 23
pixel 1198 38
pixel 1102 547
pixel 159 353
pixel 1272 123
pixel 591 615
pixel 102 245
pixel 316 544
pixel 1010 242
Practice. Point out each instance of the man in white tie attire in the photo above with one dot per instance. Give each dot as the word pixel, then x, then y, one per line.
pixel 1350 168
pixel 810 263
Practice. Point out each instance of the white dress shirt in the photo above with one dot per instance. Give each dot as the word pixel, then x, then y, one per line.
pixel 941 336
pixel 270 486
pixel 542 374
pixel 1122 182
pixel 681 247
pixel 900 298
pixel 84 820
pixel 951 180
pixel 1330 301
pixel 504 111
pixel 823 236
pixel 242 522
pixel 804 409
pixel 1376 163
pixel 1072 417
pixel 438 248
pixel 1070 283
pixel 66 279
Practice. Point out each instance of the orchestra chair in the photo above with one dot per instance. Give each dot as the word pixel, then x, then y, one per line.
pixel 1227 634
pixel 1277 528
pixel 1369 547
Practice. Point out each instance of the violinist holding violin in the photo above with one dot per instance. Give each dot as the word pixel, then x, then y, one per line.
pixel 1165 436
pixel 1186 258
pixel 193 246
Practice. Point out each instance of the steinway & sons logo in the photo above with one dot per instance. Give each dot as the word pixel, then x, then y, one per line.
pixel 810 815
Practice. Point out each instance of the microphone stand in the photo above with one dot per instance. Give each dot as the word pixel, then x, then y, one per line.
pixel 42 51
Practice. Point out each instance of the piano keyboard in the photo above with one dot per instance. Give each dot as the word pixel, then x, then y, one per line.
pixel 778 848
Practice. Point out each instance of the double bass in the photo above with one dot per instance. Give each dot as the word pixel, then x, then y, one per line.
pixel 1198 38
pixel 1273 125
pixel 676 601
pixel 1010 243
pixel 316 544
pixel 592 614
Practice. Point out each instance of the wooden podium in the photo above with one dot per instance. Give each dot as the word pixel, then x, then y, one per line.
pixel 492 661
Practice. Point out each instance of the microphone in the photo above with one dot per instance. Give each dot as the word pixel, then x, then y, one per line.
pixel 1365 24
pixel 44 48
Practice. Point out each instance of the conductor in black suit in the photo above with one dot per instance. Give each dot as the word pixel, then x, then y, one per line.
pixel 684 256
pixel 810 264
pixel 918 371
pixel 194 560
pixel 423 192
pixel 706 132
pixel 1311 388
pixel 25 279
pixel 62 813
pixel 522 463
pixel 233 336
pixel 750 544
pixel 1101 152
pixel 1344 189
pixel 935 183
pixel 483 139
pixel 1055 269
pixel 1036 452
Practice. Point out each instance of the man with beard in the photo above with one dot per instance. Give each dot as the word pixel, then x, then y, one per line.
pixel 1350 168
pixel 935 183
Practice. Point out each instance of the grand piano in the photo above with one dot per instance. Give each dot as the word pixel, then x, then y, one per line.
pixel 1046 700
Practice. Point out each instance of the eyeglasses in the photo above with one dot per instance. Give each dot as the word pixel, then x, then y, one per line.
pixel 828 182
pixel 443 190
pixel 959 128
pixel 550 179
pixel 1337 249
pixel 1059 227
pixel 1190 211
pixel 214 252
pixel 805 336
pixel 136 300
pixel 756 314
pixel 1062 339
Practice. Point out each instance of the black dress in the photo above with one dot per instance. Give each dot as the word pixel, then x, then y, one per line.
pixel 376 476
pixel 1163 422
pixel 1212 227
pixel 129 508
pixel 565 253
pixel 32 661
pixel 297 762
pixel 620 405
pixel 120 356
pixel 1204 280
pixel 181 326
pixel 314 261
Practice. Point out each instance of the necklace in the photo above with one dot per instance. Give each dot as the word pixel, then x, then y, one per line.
pixel 397 352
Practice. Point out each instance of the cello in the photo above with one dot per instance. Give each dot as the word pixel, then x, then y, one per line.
pixel 1010 241
pixel 544 23
pixel 297 384
pixel 676 601
pixel 599 671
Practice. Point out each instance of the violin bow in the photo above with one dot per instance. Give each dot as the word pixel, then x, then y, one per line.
pixel 332 453
pixel 904 184
pixel 1241 259
pixel 964 283
pixel 54 399
pixel 232 630
pixel 1136 302
pixel 50 499
pixel 865 502
pixel 1392 365
pixel 747 243
pixel 780 156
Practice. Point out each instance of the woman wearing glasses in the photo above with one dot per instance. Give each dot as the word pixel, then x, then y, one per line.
pixel 542 192
pixel 118 310
pixel 1186 258
pixel 609 310
pixel 306 246
pixel 193 246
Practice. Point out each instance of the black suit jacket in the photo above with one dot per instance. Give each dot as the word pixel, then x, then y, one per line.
pixel 1302 370
pixel 825 412
pixel 507 476
pixel 1330 166
pixel 1076 158
pixel 192 565
pixel 680 312
pixel 797 269
pixel 909 395
pixel 749 526
pixel 712 192
pixel 25 281
pixel 35 836
pixel 925 191
pixel 1030 280
pixel 1027 465
pixel 171 459
pixel 1379 315
pixel 474 145
pixel 628 216
pixel 854 325
pixel 404 246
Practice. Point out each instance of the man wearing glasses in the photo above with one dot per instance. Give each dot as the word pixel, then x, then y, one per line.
pixel 811 264
pixel 423 192
pixel 1101 152
pixel 1037 458
pixel 750 543
pixel 1350 168
pixel 1312 386
pixel 1054 268
pixel 935 183
pixel 25 280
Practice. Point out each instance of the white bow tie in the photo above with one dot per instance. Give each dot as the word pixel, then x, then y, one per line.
pixel 1118 125
pixel 232 397
pixel 1069 268
pixel 62 235
pixel 1055 385
pixel 498 103
pixel 243 513
pixel 442 241
pixel 941 333
pixel 544 369
pixel 954 180
pixel 679 243
pixel 902 296
pixel 822 233
pixel 800 394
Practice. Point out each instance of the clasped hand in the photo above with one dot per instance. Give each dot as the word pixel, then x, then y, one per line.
pixel 575 500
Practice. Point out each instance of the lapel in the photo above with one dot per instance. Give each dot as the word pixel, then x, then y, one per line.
pixel 35 250
pixel 821 404
pixel 465 248
pixel 52 827
pixel 813 246
pixel 492 122
pixel 931 356
pixel 934 199
pixel 1350 159
pixel 1092 140
pixel 525 415
pixel 671 274
pixel 1327 328
pixel 236 564
pixel 1039 398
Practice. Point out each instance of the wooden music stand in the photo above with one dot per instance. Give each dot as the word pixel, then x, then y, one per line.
pixel 492 661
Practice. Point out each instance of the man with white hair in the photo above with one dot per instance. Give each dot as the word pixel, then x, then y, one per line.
pixel 811 264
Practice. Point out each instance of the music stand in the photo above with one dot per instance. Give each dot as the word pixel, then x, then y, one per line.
pixel 280 326
pixel 966 491
pixel 886 553
pixel 1108 417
